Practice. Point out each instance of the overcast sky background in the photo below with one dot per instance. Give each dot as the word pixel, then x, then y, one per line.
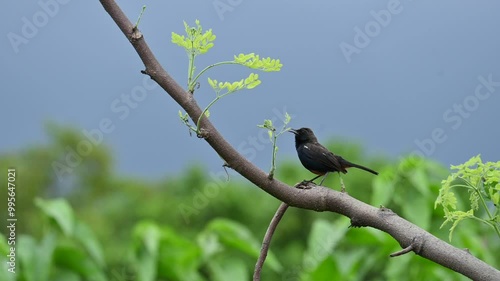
pixel 398 88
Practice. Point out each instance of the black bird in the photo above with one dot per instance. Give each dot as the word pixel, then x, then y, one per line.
pixel 317 158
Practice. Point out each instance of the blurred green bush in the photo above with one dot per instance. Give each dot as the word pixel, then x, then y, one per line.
pixel 97 225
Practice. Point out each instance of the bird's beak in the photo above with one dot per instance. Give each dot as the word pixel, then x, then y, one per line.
pixel 293 131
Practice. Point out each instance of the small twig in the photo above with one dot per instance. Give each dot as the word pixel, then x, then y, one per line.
pixel 225 166
pixel 267 240
pixel 342 186
pixel 140 16
pixel 402 252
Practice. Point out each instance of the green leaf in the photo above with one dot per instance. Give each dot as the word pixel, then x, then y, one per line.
pixel 75 259
pixel 253 84
pixel 187 29
pixel 418 179
pixel 196 41
pixel 237 236
pixel 252 81
pixel 234 235
pixel 209 244
pixel 288 118
pixel 179 40
pixel 447 200
pixel 86 237
pixel 458 216
pixel 253 61
pixel 213 83
pixel 227 269
pixel 146 240
pixel 326 270
pixel 35 259
pixel 495 197
pixel 419 211
pixel 231 87
pixel 383 188
pixel 60 212
pixel 268 123
pixel 474 200
pixel 322 240
pixel 160 253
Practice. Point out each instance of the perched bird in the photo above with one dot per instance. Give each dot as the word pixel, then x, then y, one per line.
pixel 317 158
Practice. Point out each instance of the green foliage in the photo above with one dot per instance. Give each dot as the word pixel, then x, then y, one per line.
pixel 120 228
pixel 67 251
pixel 222 234
pixel 273 137
pixel 60 212
pixel 197 42
pixel 418 177
pixel 250 82
pixel 159 252
pixel 253 61
pixel 482 182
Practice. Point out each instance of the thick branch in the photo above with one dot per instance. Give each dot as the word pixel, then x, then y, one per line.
pixel 317 198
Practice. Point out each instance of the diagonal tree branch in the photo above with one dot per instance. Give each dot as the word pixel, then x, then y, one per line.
pixel 317 198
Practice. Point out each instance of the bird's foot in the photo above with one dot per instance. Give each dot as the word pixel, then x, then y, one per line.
pixel 305 184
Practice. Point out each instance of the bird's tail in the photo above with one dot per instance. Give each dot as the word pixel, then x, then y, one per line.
pixel 348 164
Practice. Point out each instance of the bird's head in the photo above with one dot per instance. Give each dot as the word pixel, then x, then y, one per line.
pixel 303 135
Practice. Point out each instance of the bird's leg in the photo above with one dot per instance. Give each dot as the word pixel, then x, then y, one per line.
pixel 321 182
pixel 311 180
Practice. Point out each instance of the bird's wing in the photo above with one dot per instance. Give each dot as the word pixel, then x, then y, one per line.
pixel 334 162
pixel 329 159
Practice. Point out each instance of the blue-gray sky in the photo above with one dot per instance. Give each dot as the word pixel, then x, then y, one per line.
pixel 386 74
